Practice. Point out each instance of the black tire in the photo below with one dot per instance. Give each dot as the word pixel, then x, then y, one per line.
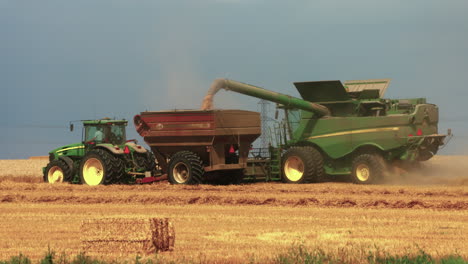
pixel 237 177
pixel 147 161
pixel 119 165
pixel 101 167
pixel 230 177
pixel 58 171
pixel 302 165
pixel 185 167
pixel 368 168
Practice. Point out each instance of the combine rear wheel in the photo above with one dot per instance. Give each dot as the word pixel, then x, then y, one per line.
pixel 302 164
pixel 368 168
pixel 185 167
pixel 57 171
pixel 100 167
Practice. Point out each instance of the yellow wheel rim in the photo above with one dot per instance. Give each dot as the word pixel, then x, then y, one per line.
pixel 93 172
pixel 362 172
pixel 55 174
pixel 294 168
pixel 180 172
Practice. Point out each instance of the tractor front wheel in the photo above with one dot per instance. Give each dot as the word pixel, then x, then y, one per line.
pixel 185 167
pixel 368 168
pixel 57 171
pixel 100 167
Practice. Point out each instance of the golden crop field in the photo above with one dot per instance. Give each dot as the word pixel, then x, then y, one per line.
pixel 239 223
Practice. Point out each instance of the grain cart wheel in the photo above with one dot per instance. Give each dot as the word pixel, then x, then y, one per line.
pixel 185 167
pixel 368 168
pixel 237 176
pixel 57 171
pixel 100 167
pixel 230 177
pixel 302 164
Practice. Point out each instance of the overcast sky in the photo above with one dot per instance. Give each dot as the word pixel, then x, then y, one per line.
pixel 70 60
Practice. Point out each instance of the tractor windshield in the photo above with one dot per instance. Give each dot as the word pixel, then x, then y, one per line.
pixel 106 133
pixel 117 134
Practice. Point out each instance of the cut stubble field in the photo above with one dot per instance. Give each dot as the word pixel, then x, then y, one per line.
pixel 246 222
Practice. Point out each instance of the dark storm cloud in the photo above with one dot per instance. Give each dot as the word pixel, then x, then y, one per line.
pixel 71 60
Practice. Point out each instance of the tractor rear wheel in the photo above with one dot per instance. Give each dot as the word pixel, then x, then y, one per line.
pixel 185 167
pixel 100 167
pixel 302 164
pixel 368 168
pixel 147 161
pixel 57 171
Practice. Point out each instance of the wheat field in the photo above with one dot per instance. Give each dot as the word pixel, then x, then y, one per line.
pixel 240 223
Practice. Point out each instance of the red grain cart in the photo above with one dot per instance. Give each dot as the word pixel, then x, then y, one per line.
pixel 195 146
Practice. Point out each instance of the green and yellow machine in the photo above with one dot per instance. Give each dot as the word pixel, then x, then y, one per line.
pixel 104 156
pixel 344 129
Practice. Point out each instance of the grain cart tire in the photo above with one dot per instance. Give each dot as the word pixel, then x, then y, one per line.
pixel 237 177
pixel 368 168
pixel 302 164
pixel 230 177
pixel 185 167
pixel 57 171
pixel 100 167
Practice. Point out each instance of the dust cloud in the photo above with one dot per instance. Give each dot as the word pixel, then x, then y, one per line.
pixel 440 170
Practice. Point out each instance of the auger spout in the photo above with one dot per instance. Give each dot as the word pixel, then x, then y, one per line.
pixel 254 91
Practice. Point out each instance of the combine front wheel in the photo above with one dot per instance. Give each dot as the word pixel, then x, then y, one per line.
pixel 57 171
pixel 185 167
pixel 302 164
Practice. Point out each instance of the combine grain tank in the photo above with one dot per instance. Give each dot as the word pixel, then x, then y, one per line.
pixel 200 145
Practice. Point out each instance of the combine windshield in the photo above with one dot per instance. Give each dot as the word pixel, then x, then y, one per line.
pixel 294 118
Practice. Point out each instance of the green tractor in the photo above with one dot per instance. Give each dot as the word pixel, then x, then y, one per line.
pixel 104 156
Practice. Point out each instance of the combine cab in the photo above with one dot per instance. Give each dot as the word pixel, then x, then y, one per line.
pixel 103 157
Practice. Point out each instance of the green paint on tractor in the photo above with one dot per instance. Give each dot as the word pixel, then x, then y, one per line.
pixel 104 156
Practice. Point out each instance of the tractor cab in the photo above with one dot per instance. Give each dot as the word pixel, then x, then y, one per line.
pixel 104 131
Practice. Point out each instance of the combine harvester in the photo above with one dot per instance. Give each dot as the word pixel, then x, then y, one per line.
pixel 334 129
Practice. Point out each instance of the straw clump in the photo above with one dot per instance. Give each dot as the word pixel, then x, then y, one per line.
pixel 127 235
